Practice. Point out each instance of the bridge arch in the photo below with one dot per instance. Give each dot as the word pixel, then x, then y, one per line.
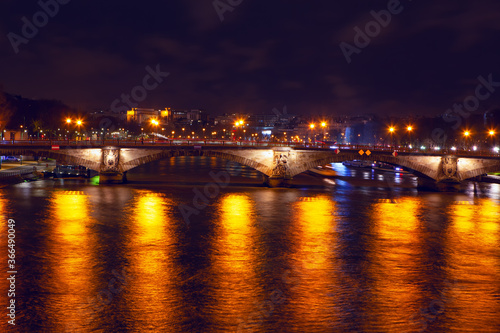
pixel 408 162
pixel 152 156
pixel 479 168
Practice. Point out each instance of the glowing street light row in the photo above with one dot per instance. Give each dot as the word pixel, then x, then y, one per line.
pixel 468 133
pixel 79 122
pixel 312 125
pixel 409 128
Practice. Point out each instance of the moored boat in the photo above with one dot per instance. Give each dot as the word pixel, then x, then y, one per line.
pixel 380 166
pixel 323 171
pixel 357 163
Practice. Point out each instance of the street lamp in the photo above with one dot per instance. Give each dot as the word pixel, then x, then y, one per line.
pixel 409 128
pixel 323 125
pixel 79 123
pixel 154 123
pixel 467 134
pixel 312 126
pixel 392 129
pixel 68 123
pixel 492 133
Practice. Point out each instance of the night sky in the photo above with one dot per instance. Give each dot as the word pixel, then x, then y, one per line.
pixel 263 55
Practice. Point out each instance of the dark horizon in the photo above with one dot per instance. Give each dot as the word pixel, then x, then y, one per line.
pixel 419 58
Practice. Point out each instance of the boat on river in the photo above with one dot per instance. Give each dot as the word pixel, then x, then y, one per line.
pixel 70 171
pixel 325 171
pixel 358 163
pixel 381 166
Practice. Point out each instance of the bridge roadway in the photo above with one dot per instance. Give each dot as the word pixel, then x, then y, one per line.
pixel 278 162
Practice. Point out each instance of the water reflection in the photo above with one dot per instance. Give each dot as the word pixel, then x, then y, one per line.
pixel 396 265
pixel 69 261
pixel 3 208
pixel 151 251
pixel 234 273
pixel 473 254
pixel 314 268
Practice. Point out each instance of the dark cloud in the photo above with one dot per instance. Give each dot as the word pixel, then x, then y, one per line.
pixel 263 55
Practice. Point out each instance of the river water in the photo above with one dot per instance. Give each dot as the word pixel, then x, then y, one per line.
pixel 367 252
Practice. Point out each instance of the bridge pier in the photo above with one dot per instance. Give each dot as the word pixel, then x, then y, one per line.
pixel 112 178
pixel 110 167
pixel 277 181
pixel 281 162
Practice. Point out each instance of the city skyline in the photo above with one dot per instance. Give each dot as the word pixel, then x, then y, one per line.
pixel 385 58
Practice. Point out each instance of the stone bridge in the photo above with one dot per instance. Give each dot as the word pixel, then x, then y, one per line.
pixel 278 164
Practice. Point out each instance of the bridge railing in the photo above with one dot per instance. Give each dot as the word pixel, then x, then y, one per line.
pixel 243 143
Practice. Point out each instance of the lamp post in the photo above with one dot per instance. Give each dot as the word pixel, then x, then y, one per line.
pixel 68 123
pixel 155 124
pixel 312 126
pixel 79 123
pixel 492 133
pixel 323 126
pixel 467 134
pixel 409 129
pixel 392 129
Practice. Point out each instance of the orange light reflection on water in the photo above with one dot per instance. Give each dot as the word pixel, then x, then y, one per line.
pixel 150 249
pixel 3 207
pixel 473 251
pixel 70 262
pixel 395 264
pixel 234 263
pixel 312 261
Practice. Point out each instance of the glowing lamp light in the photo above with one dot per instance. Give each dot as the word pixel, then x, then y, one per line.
pixel 474 148
pixel 496 150
pixel 453 148
pixel 437 148
pixel 68 121
pixel 311 126
pixel 422 147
